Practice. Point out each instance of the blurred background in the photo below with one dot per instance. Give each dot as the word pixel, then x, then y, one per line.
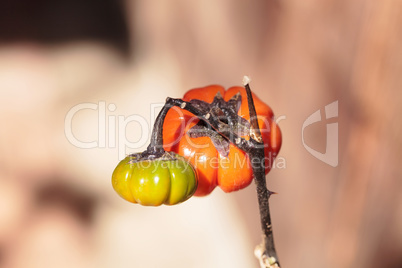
pixel 114 59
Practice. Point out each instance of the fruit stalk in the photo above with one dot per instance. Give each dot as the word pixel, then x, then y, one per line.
pixel 155 147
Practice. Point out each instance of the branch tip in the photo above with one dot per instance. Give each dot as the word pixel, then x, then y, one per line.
pixel 255 132
pixel 246 80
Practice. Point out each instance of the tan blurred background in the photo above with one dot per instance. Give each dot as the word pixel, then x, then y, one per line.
pixel 57 206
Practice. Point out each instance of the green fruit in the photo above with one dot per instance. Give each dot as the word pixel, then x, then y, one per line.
pixel 168 180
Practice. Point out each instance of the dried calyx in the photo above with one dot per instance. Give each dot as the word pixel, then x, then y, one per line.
pixel 226 112
pixel 150 155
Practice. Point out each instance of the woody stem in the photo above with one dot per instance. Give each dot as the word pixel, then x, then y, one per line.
pixel 257 158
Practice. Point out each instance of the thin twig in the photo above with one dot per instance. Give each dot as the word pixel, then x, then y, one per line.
pixel 263 194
